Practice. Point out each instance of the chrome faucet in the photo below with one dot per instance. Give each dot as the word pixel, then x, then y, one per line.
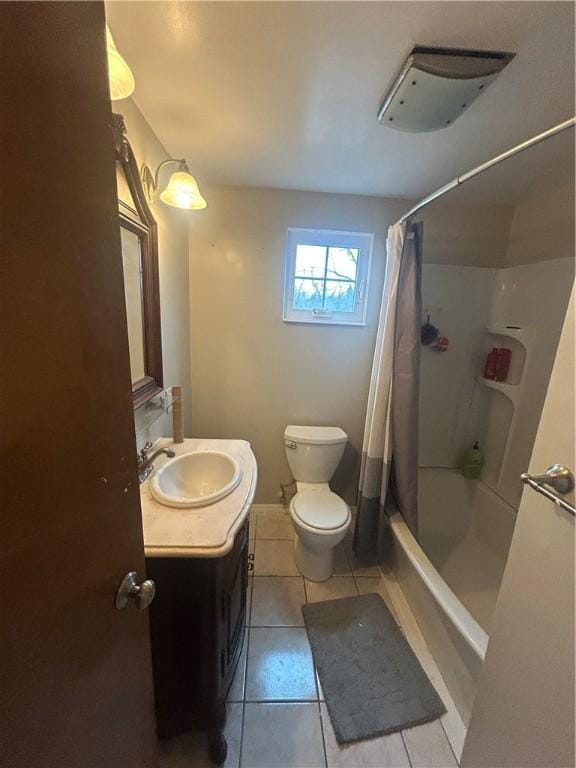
pixel 145 465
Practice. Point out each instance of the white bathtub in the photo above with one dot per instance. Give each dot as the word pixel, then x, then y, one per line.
pixel 452 580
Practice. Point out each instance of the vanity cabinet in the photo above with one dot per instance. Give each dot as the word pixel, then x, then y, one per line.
pixel 198 624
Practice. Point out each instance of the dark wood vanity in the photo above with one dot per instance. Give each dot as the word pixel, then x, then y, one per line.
pixel 198 623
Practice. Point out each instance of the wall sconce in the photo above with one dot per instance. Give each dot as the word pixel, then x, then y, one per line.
pixel 119 73
pixel 182 188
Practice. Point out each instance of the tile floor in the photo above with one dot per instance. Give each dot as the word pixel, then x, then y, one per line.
pixel 277 717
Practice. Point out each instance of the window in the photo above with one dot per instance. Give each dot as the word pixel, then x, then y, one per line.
pixel 326 278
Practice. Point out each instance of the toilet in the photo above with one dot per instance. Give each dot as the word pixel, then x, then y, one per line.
pixel 320 517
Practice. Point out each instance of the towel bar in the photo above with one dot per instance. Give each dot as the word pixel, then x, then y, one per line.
pixel 557 477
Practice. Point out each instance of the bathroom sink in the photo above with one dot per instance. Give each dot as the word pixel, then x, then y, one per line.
pixel 195 479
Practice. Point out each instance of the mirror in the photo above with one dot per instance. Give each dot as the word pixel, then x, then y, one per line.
pixel 139 240
pixel 132 265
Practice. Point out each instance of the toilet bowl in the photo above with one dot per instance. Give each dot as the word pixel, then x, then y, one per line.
pixel 320 517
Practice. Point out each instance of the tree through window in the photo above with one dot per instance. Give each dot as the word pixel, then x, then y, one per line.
pixel 326 276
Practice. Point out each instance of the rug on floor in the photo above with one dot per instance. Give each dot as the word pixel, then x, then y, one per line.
pixel 372 681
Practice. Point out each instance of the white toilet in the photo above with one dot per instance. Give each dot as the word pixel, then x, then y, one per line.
pixel 321 518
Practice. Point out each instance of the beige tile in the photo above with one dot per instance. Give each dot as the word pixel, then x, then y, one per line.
pixel 341 564
pixel 428 746
pixel 274 558
pixel 335 587
pixel 382 752
pixel 359 567
pixel 387 570
pixel 192 748
pixel 277 601
pixel 280 666
pixel 282 736
pixel 275 524
pixel 366 585
pixel 236 692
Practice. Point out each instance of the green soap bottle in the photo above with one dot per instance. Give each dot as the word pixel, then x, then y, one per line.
pixel 472 462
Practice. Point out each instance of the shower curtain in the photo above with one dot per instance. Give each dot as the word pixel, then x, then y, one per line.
pixel 389 467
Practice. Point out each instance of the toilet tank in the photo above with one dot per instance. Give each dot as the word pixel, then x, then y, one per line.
pixel 313 453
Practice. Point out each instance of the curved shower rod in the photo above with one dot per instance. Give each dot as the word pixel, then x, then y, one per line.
pixel 485 166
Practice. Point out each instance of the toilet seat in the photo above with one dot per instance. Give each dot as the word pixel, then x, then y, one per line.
pixel 321 510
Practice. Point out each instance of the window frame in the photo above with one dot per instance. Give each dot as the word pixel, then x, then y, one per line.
pixel 329 238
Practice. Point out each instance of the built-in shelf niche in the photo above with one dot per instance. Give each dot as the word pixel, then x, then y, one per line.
pixel 511 391
pixel 519 340
pixel 495 433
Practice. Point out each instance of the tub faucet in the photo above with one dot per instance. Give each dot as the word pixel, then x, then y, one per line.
pixel 145 465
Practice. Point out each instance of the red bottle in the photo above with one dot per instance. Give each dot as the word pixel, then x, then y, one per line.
pixel 490 367
pixel 503 358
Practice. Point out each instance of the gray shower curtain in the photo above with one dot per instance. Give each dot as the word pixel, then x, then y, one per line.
pixel 389 468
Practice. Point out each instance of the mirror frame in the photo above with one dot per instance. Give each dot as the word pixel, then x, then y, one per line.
pixel 141 222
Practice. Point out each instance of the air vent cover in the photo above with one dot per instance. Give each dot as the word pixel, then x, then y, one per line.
pixel 436 85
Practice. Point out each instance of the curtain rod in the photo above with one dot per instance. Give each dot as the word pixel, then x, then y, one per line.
pixel 485 166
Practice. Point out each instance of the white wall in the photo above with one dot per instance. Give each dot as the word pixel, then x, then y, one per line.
pixel 252 374
pixel 173 271
pixel 464 234
pixel 543 228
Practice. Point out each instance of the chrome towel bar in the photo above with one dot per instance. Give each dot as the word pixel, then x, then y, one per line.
pixel 556 477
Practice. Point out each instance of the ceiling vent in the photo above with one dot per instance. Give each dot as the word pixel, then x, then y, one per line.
pixel 436 85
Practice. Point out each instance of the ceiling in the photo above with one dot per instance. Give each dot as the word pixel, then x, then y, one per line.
pixel 285 94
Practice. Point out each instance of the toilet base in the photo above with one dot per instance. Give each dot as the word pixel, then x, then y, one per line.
pixel 314 565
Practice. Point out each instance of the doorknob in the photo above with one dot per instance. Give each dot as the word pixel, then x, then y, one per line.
pixel 141 594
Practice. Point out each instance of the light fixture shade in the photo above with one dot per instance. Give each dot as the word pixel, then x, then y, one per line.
pixel 437 85
pixel 119 73
pixel 182 192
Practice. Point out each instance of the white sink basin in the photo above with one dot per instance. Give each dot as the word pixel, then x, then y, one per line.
pixel 195 479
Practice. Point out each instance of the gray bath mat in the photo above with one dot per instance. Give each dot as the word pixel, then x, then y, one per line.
pixel 372 681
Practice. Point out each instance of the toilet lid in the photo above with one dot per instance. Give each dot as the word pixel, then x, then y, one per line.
pixel 320 509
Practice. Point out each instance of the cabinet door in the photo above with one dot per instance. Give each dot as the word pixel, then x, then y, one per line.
pixel 235 582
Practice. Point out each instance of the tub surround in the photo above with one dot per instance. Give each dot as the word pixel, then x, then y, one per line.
pixel 202 531
pixel 473 306
pixel 465 531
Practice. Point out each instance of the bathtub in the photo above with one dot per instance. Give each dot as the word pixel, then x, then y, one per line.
pixel 452 577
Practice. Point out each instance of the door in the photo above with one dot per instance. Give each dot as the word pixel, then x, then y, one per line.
pixel 524 711
pixel 76 673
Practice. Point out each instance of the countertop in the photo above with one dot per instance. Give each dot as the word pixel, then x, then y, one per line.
pixel 201 531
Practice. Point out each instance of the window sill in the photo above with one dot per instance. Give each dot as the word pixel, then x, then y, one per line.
pixel 324 321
